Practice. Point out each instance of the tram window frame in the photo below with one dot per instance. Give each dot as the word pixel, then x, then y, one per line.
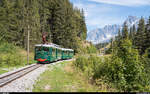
pixel 53 52
pixel 59 52
pixel 38 48
pixel 46 49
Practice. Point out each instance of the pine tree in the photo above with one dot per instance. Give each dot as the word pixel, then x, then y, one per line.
pixel 130 33
pixel 119 35
pixel 147 30
pixel 3 19
pixel 140 36
pixel 133 34
pixel 118 38
pixel 8 21
pixel 45 13
pixel 125 31
pixel 82 33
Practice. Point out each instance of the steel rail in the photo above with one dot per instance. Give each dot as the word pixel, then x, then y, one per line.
pixel 4 80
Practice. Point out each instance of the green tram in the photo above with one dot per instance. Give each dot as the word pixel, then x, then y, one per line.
pixel 46 53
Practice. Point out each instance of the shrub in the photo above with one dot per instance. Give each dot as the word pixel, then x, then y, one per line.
pixel 87 64
pixel 125 69
pixel 80 62
pixel 93 65
pixel 7 48
pixel 131 65
pixel 91 49
pixel 10 55
pixel 108 51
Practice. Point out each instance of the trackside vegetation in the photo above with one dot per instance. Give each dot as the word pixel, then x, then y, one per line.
pixel 128 73
pixel 12 57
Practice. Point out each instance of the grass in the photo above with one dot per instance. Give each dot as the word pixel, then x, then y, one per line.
pixel 63 78
pixel 3 71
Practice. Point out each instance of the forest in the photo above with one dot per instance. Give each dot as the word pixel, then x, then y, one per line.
pixel 63 23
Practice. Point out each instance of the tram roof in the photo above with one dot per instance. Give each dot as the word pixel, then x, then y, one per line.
pixel 52 45
pixel 47 45
pixel 66 49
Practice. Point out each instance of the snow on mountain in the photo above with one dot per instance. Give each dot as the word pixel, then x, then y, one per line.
pixel 101 35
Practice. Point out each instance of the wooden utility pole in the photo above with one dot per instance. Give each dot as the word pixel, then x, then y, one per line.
pixel 28 28
pixel 28 42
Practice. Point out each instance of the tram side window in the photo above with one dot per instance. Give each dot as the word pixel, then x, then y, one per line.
pixel 53 51
pixel 38 48
pixel 59 52
pixel 46 49
pixel 63 52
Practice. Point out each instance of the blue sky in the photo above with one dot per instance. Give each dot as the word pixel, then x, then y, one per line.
pixel 99 13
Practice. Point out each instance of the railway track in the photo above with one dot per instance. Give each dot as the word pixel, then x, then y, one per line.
pixel 9 77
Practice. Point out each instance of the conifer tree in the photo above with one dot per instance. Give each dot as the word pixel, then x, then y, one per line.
pixel 147 30
pixel 3 19
pixel 119 34
pixel 125 31
pixel 118 38
pixel 140 36
pixel 83 26
pixel 133 34
pixel 130 33
pixel 8 21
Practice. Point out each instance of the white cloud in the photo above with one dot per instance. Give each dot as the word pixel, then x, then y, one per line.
pixel 91 10
pixel 124 2
pixel 101 21
pixel 97 15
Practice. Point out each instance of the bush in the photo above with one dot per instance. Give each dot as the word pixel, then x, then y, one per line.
pixel 10 55
pixel 125 69
pixel 132 68
pixel 11 59
pixel 108 51
pixel 7 48
pixel 87 64
pixel 91 49
pixel 80 62
pixel 92 65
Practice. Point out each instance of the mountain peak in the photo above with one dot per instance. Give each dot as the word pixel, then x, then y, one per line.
pixel 131 20
pixel 100 35
pixel 131 17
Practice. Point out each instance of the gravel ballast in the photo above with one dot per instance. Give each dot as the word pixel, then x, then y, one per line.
pixel 25 83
